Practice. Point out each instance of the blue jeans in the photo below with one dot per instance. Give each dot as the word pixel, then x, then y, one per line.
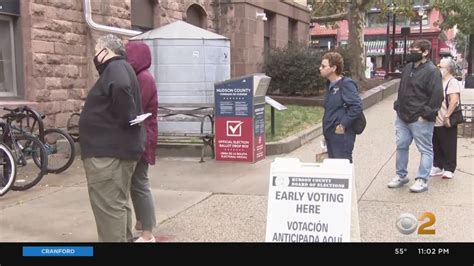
pixel 340 146
pixel 422 132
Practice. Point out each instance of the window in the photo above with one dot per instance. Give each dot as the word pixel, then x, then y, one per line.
pixel 266 48
pixel 267 33
pixel 377 20
pixel 416 21
pixel 196 15
pixel 142 15
pixel 8 85
pixel 292 31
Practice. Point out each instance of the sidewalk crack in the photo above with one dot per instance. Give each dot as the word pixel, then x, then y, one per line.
pixel 378 172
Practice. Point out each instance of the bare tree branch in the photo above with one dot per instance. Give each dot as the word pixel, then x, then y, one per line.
pixel 364 3
pixel 330 18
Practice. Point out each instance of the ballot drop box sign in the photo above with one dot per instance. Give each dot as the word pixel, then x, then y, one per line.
pixel 309 202
pixel 240 118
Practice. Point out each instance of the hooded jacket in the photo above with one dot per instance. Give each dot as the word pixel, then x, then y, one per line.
pixel 139 56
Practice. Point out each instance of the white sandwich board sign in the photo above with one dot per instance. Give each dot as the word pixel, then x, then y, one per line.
pixel 309 202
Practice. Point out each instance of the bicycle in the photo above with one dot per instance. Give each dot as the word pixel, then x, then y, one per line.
pixel 25 148
pixel 7 169
pixel 73 126
pixel 58 143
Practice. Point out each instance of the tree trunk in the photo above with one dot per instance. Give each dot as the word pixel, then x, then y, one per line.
pixel 356 46
pixel 470 54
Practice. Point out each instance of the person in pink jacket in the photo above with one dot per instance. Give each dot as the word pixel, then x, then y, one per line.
pixel 139 56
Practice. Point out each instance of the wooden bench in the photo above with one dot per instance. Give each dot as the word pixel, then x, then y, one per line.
pixel 188 113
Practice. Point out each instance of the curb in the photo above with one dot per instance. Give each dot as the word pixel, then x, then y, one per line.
pixel 369 98
pixel 292 143
pixel 289 144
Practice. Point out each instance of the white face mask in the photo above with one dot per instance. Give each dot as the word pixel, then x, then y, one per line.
pixel 444 72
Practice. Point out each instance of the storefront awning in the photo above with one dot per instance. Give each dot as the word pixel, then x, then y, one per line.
pixel 377 48
pixel 444 49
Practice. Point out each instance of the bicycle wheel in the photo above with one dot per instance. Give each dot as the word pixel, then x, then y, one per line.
pixel 26 150
pixel 7 169
pixel 73 126
pixel 29 123
pixel 60 150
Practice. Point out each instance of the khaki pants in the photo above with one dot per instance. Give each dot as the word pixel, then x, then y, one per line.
pixel 108 183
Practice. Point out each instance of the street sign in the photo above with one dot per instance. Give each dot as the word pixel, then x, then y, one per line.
pixel 309 202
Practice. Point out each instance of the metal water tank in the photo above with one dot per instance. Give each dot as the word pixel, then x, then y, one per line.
pixel 186 62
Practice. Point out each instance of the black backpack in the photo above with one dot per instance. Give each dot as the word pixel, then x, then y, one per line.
pixel 359 124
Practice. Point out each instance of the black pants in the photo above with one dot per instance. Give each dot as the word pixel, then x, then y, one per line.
pixel 445 142
pixel 340 146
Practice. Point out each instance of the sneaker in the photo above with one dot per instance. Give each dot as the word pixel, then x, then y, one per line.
pixel 142 240
pixel 398 182
pixel 448 175
pixel 436 171
pixel 420 186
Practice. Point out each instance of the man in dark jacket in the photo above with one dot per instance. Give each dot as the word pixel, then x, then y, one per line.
pixel 110 147
pixel 419 98
pixel 139 56
pixel 342 105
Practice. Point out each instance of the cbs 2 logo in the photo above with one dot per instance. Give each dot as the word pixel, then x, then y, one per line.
pixel 407 223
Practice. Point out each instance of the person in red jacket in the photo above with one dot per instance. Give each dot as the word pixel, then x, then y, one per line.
pixel 139 56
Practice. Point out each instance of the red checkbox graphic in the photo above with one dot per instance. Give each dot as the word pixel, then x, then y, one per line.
pixel 234 128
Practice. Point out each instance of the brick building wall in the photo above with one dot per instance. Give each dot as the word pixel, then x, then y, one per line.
pixel 171 11
pixel 239 23
pixel 57 50
pixel 55 63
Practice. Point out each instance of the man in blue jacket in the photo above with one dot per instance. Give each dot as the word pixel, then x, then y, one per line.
pixel 342 105
pixel 419 98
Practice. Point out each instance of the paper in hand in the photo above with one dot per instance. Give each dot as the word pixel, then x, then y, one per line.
pixel 139 119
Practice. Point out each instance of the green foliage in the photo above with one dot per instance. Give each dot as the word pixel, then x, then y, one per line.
pixel 462 42
pixel 327 7
pixel 457 12
pixel 295 70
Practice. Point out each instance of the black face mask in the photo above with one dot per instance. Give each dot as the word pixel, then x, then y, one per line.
pixel 97 63
pixel 414 57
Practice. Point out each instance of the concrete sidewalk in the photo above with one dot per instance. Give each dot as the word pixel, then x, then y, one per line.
pixel 227 201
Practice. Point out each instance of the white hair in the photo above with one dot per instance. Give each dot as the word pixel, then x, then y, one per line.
pixel 112 42
pixel 450 64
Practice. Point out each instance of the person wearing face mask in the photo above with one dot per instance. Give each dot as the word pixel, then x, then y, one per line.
pixel 110 147
pixel 419 99
pixel 445 136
